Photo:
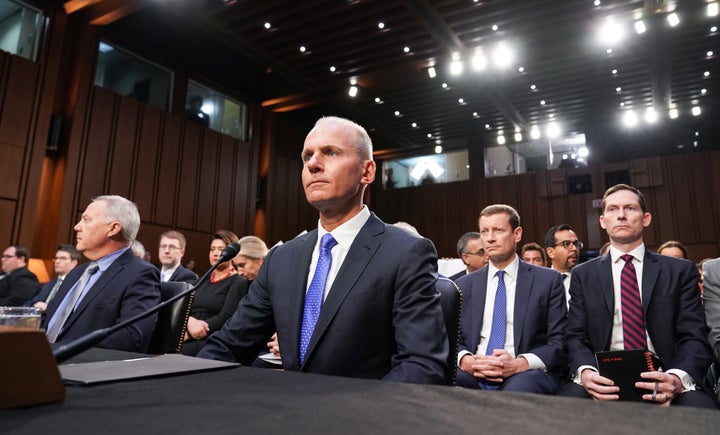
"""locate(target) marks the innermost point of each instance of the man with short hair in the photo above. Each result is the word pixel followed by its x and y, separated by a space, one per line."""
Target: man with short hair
pixel 66 258
pixel 470 251
pixel 115 286
pixel 632 298
pixel 19 284
pixel 563 250
pixel 513 318
pixel 534 254
pixel 170 253
pixel 355 297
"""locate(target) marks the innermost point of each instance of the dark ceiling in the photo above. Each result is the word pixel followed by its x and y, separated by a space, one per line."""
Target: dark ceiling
pixel 566 76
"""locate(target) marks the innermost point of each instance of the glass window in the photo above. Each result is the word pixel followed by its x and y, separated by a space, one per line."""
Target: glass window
pixel 216 111
pixel 20 29
pixel 430 169
pixel 132 76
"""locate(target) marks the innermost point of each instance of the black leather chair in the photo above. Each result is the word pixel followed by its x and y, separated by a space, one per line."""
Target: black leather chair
pixel 451 303
pixel 172 319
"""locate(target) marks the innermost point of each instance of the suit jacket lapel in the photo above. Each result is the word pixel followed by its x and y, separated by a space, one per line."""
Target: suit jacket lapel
pixel 604 276
pixel 478 307
pixel 523 289
pixel 296 298
pixel 359 255
pixel 651 269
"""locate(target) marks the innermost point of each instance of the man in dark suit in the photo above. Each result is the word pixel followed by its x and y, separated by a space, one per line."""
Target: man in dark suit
pixel 66 259
pixel 170 253
pixel 19 284
pixel 470 251
pixel 669 319
pixel 373 284
pixel 113 287
pixel 513 316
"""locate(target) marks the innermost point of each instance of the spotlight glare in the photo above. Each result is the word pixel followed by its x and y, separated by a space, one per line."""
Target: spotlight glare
pixel 353 91
pixel 640 27
pixel 535 132
pixel 673 19
pixel 673 113
pixel 630 119
pixel 712 9
pixel 431 72
pixel 696 111
pixel 651 115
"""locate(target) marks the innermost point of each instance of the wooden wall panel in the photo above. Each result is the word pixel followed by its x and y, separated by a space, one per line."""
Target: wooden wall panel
pixel 7 223
pixel 18 101
pixel 123 148
pixel 244 189
pixel 170 182
pixel 223 198
pixel 145 178
pixel 207 183
pixel 95 168
pixel 11 165
pixel 704 198
pixel 188 184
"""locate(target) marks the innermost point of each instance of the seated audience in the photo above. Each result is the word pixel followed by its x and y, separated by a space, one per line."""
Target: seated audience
pixel 115 286
pixel 18 285
pixel 608 312
pixel 216 299
pixel 711 296
pixel 534 254
pixel 170 253
pixel 251 256
pixel 472 254
pixel 513 317
pixel 673 248
pixel 66 258
pixel 604 249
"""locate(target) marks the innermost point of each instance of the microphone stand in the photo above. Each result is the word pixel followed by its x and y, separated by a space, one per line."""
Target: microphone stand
pixel 81 344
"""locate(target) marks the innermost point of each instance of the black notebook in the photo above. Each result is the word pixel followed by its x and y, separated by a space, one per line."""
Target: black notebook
pixel 624 368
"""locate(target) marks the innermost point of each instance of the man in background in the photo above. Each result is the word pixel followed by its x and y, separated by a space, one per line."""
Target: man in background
pixel 114 286
pixel 19 285
pixel 66 258
pixel 563 250
pixel 534 254
pixel 170 253
pixel 470 251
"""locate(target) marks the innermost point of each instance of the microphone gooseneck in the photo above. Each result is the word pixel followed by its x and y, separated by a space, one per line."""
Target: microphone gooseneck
pixel 81 344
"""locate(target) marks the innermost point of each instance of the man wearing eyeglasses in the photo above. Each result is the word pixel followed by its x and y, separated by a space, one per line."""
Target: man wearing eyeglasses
pixel 66 258
pixel 19 284
pixel 170 252
pixel 563 250
pixel 470 250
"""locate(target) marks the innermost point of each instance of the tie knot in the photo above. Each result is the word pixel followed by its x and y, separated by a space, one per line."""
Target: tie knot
pixel 627 258
pixel 500 274
pixel 327 242
pixel 92 268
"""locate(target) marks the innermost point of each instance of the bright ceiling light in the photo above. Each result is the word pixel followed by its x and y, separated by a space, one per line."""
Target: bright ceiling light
pixel 640 27
pixel 303 49
pixel 709 53
pixel 696 111
pixel 461 101
pixel 381 25
pixel 438 149
pixel 397 113
pixel 406 49
pixel 478 61
pixel 712 9
pixel 673 113
pixel 521 69
pixel 673 19
pixel 431 72
pixel 583 152
pixel 414 125
pixel 651 115
pixel 495 27
pixel 456 68
pixel 518 137
pixel 535 132
pixel 501 139
pixel 630 119
pixel 553 130
pixel 378 100
pixel 542 102
pixel 610 33
pixel 503 56
pixel 268 25
pixel 332 69
pixel 353 91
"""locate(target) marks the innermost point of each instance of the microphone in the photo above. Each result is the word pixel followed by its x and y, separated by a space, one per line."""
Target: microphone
pixel 81 344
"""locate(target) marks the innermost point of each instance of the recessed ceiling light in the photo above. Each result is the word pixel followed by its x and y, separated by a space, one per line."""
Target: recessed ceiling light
pixel 429 135
pixel 461 101
pixel 397 113
pixel 712 9
pixel 302 49
pixel 709 53
pixel 268 25
pixel 406 49
pixel 614 71
pixel 353 91
pixel 332 69
pixel 381 25
pixel 475 114
pixel 703 91
pixel 640 27
pixel 495 27
pixel 713 29
pixel 378 100
pixel 414 125
pixel 618 89
pixel 608 51
pixel 431 72
pixel 542 102
pixel 673 19
pixel 533 87
pixel 444 85
pixel 487 126
pixel 706 74
pixel 521 69
pixel 696 111
pixel 597 3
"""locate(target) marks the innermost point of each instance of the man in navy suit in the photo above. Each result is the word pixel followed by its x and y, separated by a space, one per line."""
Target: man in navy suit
pixel 670 312
pixel 170 253
pixel 118 284
pixel 513 316
pixel 380 317
pixel 66 259
pixel 19 284
pixel 470 251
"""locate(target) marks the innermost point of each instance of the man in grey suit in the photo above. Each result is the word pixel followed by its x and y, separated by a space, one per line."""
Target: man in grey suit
pixel 711 296
pixel 513 316
pixel 373 284
pixel 632 298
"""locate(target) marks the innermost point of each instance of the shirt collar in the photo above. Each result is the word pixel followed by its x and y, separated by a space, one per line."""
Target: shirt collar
pixel 511 269
pixel 638 253
pixel 345 233
pixel 107 260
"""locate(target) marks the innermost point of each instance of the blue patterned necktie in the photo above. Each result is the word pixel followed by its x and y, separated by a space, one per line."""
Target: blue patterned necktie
pixel 631 306
pixel 499 323
pixel 315 293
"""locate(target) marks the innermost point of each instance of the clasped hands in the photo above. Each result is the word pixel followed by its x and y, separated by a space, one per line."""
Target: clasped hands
pixel 197 329
pixel 663 387
pixel 496 367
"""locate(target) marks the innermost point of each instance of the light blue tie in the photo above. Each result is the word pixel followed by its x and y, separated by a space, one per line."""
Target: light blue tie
pixel 60 317
pixel 315 293
pixel 499 324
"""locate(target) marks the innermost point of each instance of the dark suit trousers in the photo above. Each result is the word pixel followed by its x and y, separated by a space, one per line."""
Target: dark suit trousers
pixel 531 381
pixel 697 398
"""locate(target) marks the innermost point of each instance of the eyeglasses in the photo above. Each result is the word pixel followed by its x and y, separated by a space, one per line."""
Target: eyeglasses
pixel 61 259
pixel 170 247
pixel 480 252
pixel 567 244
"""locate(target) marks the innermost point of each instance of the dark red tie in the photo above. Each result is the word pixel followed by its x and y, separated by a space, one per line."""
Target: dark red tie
pixel 632 315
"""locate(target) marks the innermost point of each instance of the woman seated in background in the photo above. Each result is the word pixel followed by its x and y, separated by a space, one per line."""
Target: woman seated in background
pixel 251 256
pixel 673 248
pixel 215 300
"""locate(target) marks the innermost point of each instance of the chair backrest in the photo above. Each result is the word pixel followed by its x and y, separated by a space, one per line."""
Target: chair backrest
pixel 451 303
pixel 172 319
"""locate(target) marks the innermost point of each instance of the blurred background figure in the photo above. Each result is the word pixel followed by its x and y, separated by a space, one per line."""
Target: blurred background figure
pixel 66 258
pixel 673 248
pixel 19 285
pixel 251 256
pixel 534 254
pixel 138 249
pixel 216 299
pixel 604 249
pixel 471 252
pixel 190 265
pixel 170 254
